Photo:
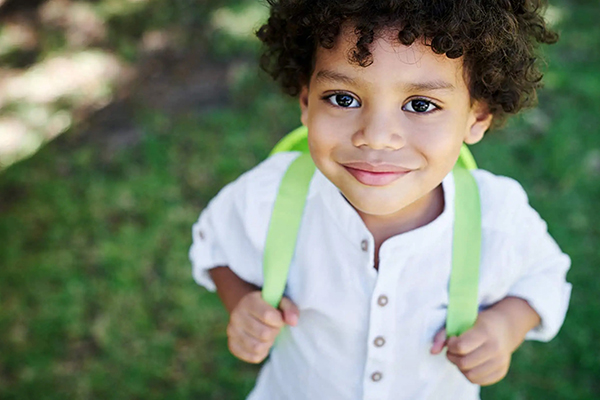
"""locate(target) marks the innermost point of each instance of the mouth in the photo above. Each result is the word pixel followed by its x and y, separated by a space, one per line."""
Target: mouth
pixel 375 175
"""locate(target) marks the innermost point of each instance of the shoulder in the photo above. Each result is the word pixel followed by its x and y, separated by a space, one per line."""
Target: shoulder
pixel 264 179
pixel 246 204
pixel 231 230
pixel 257 185
pixel 498 187
pixel 503 199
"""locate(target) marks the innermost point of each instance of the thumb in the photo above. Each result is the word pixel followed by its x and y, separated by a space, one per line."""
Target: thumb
pixel 290 311
pixel 439 341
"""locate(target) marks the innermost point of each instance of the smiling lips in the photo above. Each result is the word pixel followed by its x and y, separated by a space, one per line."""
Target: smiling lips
pixel 375 175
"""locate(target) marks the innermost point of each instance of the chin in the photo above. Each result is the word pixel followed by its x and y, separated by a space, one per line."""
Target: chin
pixel 374 207
pixel 380 211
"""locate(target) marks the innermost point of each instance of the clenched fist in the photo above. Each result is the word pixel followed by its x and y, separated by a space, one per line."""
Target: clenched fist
pixel 483 353
pixel 254 325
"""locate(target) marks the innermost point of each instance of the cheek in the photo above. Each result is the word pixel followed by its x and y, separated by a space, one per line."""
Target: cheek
pixel 325 134
pixel 439 143
pixel 330 128
pixel 319 146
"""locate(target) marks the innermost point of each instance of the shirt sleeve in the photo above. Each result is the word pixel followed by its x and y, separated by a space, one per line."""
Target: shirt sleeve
pixel 207 250
pixel 542 267
pixel 232 229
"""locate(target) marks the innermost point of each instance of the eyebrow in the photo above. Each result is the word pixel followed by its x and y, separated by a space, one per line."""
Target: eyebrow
pixel 325 75
pixel 436 84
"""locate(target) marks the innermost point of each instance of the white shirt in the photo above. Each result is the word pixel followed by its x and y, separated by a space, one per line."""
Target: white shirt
pixel 366 334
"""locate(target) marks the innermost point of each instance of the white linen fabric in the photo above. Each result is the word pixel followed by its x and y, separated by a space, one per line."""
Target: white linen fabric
pixel 366 334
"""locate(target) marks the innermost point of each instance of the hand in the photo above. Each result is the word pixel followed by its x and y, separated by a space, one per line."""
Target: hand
pixel 254 325
pixel 482 353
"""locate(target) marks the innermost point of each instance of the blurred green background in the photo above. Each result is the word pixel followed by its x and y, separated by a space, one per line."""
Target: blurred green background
pixel 129 115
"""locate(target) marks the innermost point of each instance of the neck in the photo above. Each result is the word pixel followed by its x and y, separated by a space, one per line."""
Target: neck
pixel 413 216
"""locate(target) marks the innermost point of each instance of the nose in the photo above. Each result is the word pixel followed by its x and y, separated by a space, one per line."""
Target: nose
pixel 380 130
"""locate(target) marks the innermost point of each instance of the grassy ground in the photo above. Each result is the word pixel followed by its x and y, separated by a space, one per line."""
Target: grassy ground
pixel 96 296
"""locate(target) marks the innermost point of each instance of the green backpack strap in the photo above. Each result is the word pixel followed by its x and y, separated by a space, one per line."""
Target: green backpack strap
pixel 284 227
pixel 296 140
pixel 466 246
pixel 463 290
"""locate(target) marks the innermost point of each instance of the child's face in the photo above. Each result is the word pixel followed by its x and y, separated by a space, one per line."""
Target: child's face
pixel 386 135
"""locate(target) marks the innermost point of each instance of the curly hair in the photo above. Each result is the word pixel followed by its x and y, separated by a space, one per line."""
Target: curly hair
pixel 496 38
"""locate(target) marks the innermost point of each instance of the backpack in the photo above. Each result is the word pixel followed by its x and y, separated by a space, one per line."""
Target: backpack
pixel 287 215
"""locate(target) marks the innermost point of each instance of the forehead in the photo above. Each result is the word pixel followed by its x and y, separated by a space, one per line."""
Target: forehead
pixel 392 62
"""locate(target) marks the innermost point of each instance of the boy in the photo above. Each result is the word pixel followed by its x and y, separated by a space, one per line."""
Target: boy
pixel 389 91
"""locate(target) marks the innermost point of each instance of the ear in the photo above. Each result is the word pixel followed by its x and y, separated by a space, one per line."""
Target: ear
pixel 303 97
pixel 480 121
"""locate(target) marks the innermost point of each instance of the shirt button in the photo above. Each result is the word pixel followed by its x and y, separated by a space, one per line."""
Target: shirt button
pixel 201 235
pixel 376 376
pixel 382 300
pixel 364 245
pixel 379 341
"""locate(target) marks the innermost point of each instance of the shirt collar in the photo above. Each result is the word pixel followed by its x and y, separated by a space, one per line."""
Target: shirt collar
pixel 353 227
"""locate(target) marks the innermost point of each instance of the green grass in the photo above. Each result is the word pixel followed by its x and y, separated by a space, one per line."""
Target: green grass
pixel 96 295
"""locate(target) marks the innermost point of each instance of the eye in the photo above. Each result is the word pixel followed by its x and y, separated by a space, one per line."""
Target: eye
pixel 420 106
pixel 343 100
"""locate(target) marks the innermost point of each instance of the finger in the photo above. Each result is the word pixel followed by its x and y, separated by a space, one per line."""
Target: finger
pixel 237 349
pixel 246 347
pixel 262 311
pixel 488 369
pixel 472 360
pixel 493 377
pixel 290 311
pixel 439 341
pixel 258 330
pixel 466 343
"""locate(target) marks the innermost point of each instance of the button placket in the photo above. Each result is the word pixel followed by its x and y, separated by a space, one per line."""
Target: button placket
pixel 382 330
pixel 382 300
pixel 364 245
pixel 377 361
pixel 376 376
pixel 379 341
